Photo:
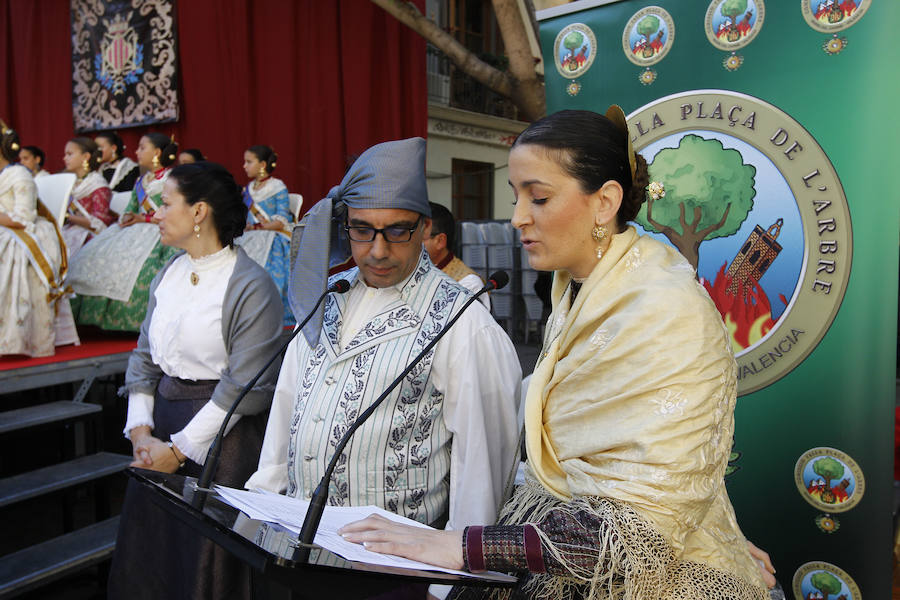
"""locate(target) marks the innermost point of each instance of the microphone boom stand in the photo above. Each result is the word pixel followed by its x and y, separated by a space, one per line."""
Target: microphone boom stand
pixel 215 449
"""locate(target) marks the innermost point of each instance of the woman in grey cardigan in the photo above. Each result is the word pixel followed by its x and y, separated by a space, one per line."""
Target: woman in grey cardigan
pixel 213 319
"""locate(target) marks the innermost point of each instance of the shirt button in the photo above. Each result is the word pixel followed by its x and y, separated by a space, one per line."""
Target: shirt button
pixel 318 419
pixel 308 495
pixel 308 457
pixel 329 380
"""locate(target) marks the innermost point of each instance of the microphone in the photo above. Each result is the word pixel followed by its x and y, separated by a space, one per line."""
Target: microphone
pixel 499 279
pixel 496 281
pixel 212 456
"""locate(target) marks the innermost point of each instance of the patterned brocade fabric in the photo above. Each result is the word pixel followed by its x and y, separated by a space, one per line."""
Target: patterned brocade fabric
pixel 517 548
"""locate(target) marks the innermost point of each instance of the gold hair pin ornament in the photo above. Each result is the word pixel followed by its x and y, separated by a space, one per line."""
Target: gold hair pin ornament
pixel 615 114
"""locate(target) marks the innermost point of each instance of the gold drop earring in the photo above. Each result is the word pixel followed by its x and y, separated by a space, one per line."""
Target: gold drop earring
pixel 599 233
pixel 86 166
pixel 262 172
pixel 197 230
pixel 155 162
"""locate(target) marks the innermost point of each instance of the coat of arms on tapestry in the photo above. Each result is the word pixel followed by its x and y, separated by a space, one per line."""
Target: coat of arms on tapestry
pixel 123 63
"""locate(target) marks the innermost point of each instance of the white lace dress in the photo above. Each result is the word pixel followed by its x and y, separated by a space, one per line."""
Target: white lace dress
pixel 27 318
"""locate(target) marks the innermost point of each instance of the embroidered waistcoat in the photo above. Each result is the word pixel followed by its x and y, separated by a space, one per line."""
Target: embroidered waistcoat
pixel 400 458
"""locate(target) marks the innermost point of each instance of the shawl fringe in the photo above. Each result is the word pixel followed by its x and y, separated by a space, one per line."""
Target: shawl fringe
pixel 634 561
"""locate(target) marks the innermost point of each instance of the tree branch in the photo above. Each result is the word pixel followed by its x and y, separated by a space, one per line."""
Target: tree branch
pixel 530 90
pixel 663 229
pixel 684 225
pixel 408 14
pixel 698 214
pixel 712 228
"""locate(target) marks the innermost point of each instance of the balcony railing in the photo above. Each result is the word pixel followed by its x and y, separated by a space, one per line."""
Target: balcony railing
pixel 450 86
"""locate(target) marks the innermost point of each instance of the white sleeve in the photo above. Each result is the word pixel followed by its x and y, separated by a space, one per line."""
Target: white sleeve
pixel 473 283
pixel 480 374
pixel 271 473
pixel 197 436
pixel 140 412
pixel 480 412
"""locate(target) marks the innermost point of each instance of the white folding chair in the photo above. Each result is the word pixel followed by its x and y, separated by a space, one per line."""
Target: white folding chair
pixel 54 192
pixel 296 203
pixel 119 202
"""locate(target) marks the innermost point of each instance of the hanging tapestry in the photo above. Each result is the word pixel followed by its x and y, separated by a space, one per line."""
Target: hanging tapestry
pixel 123 63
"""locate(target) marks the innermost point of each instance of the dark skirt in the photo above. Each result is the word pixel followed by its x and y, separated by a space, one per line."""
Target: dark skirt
pixel 156 556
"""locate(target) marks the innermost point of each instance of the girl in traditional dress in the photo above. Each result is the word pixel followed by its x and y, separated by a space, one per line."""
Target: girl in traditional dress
pixel 88 210
pixel 32 158
pixel 32 261
pixel 112 274
pixel 120 171
pixel 213 320
pixel 629 411
pixel 268 237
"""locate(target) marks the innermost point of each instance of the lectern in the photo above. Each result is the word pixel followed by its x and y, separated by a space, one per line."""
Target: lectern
pixel 273 552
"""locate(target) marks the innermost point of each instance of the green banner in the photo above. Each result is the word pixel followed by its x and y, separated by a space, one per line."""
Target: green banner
pixel 771 128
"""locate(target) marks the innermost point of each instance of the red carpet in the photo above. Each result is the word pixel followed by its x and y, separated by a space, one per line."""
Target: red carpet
pixel 90 346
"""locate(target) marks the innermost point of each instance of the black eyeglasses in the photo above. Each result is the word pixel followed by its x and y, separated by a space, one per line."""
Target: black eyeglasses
pixel 395 234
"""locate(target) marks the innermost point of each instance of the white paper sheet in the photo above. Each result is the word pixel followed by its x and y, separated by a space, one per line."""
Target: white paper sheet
pixel 290 513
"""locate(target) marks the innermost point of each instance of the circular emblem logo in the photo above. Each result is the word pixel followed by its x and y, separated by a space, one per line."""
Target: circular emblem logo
pixel 648 36
pixel 732 24
pixel 829 480
pixel 829 16
pixel 815 580
pixel 574 50
pixel 754 204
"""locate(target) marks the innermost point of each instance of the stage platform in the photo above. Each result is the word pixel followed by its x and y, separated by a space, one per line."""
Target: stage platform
pixel 97 356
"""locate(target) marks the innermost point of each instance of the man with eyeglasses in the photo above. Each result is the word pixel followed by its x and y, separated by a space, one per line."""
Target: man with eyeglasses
pixel 440 448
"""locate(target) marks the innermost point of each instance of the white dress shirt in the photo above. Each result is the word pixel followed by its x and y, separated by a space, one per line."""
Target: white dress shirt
pixel 186 342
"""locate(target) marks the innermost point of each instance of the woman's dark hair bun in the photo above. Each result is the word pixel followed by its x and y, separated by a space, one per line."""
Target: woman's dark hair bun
pixel 212 183
pixel 37 153
pixel 9 143
pixel 592 150
pixel 88 145
pixel 635 197
pixel 265 154
pixel 168 148
pixel 115 140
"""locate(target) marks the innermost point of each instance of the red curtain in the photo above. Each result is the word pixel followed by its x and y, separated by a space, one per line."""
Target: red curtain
pixel 318 81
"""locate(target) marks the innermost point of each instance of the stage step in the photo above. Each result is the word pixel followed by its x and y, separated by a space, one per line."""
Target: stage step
pixel 42 563
pixel 42 414
pixel 59 476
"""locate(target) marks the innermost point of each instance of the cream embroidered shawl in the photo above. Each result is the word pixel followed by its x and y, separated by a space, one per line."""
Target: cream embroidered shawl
pixel 633 400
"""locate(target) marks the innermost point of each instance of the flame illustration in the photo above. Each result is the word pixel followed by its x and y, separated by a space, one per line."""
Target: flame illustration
pixel 747 314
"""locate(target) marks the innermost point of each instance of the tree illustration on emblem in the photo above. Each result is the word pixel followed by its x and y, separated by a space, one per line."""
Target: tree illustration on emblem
pixel 647 27
pixel 731 9
pixel 572 42
pixel 709 193
pixel 826 583
pixel 828 468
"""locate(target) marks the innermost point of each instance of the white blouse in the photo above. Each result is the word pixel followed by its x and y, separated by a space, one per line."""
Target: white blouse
pixel 185 338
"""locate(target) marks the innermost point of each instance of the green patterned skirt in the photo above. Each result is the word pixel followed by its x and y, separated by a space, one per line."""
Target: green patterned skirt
pixel 114 315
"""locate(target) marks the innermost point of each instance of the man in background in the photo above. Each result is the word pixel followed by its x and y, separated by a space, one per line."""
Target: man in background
pixel 439 241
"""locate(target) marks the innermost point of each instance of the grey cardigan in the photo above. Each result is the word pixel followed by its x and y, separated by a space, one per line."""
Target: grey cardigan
pixel 251 325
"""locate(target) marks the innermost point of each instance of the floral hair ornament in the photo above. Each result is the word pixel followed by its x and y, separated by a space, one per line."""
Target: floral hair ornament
pixel 656 190
pixel 615 114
